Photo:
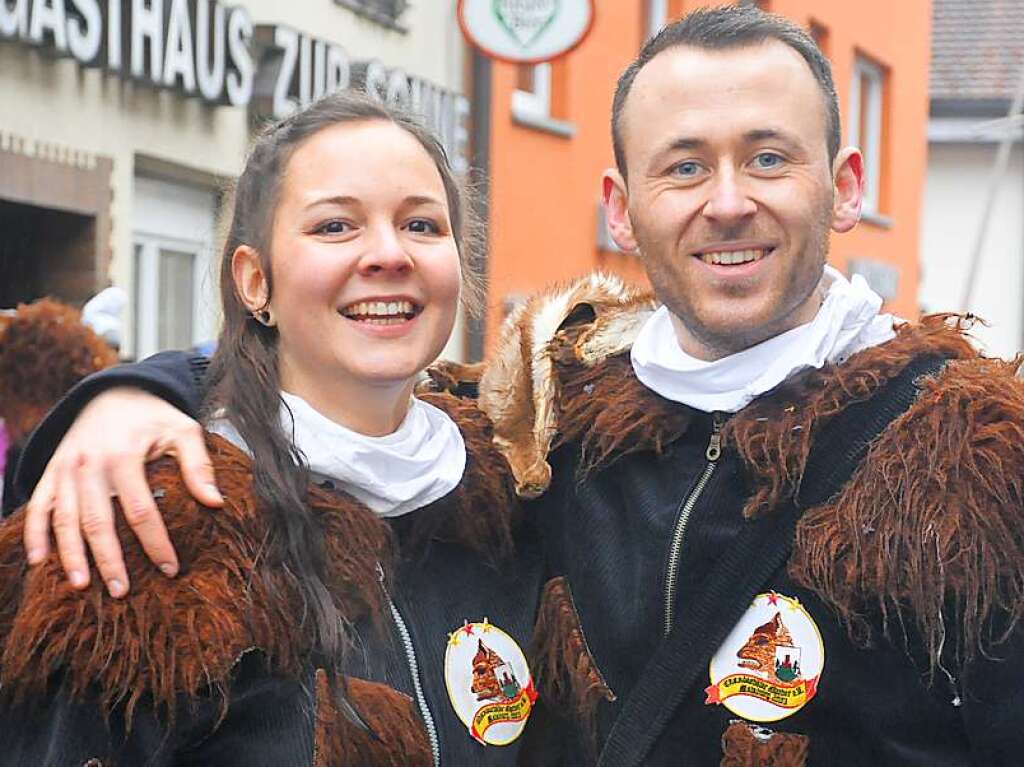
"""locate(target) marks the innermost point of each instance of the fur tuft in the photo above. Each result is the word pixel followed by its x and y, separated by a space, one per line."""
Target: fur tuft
pixel 398 738
pixel 747 745
pixel 929 533
pixel 180 636
pixel 566 673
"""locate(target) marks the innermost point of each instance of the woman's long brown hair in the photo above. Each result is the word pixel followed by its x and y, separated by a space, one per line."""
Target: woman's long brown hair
pixel 243 378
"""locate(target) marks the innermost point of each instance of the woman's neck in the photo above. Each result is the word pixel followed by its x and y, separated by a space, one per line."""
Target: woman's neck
pixel 371 410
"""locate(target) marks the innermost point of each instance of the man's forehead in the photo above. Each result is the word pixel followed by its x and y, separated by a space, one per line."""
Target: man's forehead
pixel 688 85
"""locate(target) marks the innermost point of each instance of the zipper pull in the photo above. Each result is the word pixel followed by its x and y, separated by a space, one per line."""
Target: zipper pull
pixel 714 450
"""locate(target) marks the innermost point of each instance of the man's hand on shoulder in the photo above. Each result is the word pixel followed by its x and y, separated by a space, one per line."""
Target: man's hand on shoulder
pixel 103 456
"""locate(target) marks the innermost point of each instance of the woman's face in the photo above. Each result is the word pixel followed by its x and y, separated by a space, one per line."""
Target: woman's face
pixel 365 267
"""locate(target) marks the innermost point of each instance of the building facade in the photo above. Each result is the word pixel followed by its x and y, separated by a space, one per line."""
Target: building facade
pixel 550 142
pixel 123 122
pixel 977 70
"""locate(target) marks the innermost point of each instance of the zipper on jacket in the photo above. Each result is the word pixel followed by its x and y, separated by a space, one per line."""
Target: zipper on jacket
pixel 414 671
pixel 712 454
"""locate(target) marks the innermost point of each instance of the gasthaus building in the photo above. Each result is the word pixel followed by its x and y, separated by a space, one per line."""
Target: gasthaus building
pixel 123 121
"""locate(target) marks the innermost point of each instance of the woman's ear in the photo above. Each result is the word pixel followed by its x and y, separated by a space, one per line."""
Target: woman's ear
pixel 250 281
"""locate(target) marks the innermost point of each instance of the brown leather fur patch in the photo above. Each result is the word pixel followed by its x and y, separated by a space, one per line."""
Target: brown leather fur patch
pixel 44 351
pixel 179 636
pixel 566 673
pixel 744 745
pixel 398 739
pixel 931 523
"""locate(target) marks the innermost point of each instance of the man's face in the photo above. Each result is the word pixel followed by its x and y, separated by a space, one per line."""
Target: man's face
pixel 730 191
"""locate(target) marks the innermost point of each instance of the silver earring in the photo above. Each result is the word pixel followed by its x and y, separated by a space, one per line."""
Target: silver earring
pixel 263 317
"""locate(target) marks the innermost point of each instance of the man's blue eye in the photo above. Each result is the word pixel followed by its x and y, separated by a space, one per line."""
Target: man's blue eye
pixel 767 160
pixel 687 169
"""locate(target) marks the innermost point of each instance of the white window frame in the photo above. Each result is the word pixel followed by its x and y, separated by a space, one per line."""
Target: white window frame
pixel 657 16
pixel 867 71
pixel 532 108
pixel 536 102
pixel 148 291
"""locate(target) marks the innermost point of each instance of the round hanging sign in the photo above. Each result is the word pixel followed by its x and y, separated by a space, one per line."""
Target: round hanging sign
pixel 525 31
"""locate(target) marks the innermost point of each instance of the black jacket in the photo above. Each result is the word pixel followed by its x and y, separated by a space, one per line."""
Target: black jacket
pixel 271 718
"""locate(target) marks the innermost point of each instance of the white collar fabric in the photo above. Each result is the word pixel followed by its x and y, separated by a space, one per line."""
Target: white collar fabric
pixel 422 461
pixel 847 322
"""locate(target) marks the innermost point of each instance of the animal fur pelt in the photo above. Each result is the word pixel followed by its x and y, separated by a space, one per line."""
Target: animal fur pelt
pixel 930 526
pixel 44 351
pixel 519 389
pixel 747 745
pixel 398 739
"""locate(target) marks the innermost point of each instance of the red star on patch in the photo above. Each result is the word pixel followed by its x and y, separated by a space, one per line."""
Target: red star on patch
pixel 468 629
pixel 713 695
pixel 773 599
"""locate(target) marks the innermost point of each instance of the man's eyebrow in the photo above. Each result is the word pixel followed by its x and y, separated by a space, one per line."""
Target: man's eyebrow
pixel 769 134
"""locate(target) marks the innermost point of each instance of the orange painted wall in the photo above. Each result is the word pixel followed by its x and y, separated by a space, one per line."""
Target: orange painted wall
pixel 545 188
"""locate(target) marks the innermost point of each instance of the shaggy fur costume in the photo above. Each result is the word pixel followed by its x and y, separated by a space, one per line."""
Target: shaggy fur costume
pixel 180 637
pixel 745 745
pixel 44 351
pixel 930 525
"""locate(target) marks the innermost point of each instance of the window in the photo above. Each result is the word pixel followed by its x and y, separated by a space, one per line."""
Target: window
pixel 657 15
pixel 384 12
pixel 532 95
pixel 866 117
pixel 174 302
pixel 539 98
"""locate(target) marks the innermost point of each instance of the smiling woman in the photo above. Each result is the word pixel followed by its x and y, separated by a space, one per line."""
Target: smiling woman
pixel 355 513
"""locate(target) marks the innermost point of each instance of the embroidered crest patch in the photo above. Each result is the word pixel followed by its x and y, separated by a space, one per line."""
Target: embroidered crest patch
pixel 769 666
pixel 489 683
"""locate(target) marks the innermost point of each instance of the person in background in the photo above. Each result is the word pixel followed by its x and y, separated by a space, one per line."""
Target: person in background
pixel 46 347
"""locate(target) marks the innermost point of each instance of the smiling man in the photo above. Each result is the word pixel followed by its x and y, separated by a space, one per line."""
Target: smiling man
pixel 786 528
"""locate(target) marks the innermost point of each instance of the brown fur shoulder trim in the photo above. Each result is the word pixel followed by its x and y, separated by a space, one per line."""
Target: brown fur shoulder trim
pixel 483 510
pixel 929 532
pixel 179 636
pixel 398 740
pixel 519 389
pixel 747 745
pixel 774 433
pixel 563 666
pixel 44 351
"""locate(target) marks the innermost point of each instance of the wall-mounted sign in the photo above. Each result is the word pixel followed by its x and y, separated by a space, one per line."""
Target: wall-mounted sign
pixel 211 51
pixel 525 31
pixel 197 47
pixel 294 69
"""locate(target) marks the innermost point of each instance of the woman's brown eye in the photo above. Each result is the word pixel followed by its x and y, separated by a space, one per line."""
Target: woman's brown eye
pixel 332 227
pixel 423 226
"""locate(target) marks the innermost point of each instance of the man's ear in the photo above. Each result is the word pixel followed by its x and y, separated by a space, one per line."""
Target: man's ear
pixel 616 208
pixel 250 281
pixel 848 185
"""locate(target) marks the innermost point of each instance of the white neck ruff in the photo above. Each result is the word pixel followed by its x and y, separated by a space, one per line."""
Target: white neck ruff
pixel 847 322
pixel 422 461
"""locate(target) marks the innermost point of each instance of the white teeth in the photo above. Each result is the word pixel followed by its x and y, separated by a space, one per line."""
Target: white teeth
pixel 380 312
pixel 729 257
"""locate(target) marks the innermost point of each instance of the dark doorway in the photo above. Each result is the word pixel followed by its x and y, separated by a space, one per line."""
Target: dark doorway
pixel 45 252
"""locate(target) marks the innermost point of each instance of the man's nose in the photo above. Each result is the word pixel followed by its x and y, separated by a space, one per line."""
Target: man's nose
pixel 385 252
pixel 729 201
